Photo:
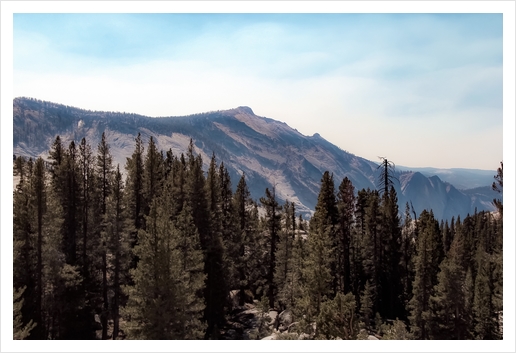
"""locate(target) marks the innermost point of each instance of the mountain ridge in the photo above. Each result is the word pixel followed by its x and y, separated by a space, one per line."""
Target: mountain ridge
pixel 269 152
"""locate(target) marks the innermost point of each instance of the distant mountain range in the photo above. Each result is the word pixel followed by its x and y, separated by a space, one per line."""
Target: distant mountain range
pixel 269 152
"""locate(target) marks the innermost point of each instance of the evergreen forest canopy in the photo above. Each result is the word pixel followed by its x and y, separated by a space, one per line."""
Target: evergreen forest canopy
pixel 171 252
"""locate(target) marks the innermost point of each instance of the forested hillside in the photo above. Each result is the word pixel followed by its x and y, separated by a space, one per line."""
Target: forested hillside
pixel 172 252
pixel 268 151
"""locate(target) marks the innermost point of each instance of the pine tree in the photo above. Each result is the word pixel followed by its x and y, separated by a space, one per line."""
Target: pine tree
pixel 20 330
pixel 317 274
pixel 448 316
pixel 386 177
pixel 134 187
pixel 152 175
pixel 89 217
pixel 325 220
pixel 56 156
pixel 166 299
pixel 408 251
pixel 116 235
pixel 273 227
pixel 337 318
pixel 367 300
pixel 191 284
pixel 40 209
pixel 372 245
pixel 498 186
pixel 485 317
pixel 228 227
pixel 292 290
pixel 284 256
pixel 216 284
pixel 429 254
pixel 72 204
pixel 241 245
pixel 24 241
pixel 391 287
pixel 54 301
pixel 346 208
pixel 104 172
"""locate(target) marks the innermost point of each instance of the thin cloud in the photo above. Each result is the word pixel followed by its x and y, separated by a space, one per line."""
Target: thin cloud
pixel 348 77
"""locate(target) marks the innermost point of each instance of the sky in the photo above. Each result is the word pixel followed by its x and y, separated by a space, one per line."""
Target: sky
pixel 423 90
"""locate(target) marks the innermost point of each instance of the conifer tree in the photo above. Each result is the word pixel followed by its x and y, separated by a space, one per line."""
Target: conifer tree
pixel 104 171
pixel 386 177
pixel 152 175
pixel 429 252
pixel 56 156
pixel 241 245
pixel 86 180
pixel 391 287
pixel 498 186
pixel 191 283
pixel 273 227
pixel 216 284
pixel 293 288
pixel 166 299
pixel 346 208
pixel 72 204
pixel 20 330
pixel 89 219
pixel 24 242
pixel 228 227
pixel 408 252
pixel 366 304
pixel 372 248
pixel 284 256
pixel 317 268
pixel 134 187
pixel 116 235
pixel 448 315
pixel 325 220
pixel 39 210
pixel 337 318
pixel 485 317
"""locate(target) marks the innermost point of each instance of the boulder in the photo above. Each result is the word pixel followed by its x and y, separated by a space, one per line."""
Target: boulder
pixel 284 320
pixel 273 314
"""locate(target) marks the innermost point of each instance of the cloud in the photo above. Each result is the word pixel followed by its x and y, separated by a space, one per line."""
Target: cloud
pixel 348 77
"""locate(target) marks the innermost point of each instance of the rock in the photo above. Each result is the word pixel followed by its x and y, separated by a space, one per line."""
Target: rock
pixel 371 337
pixel 233 297
pixel 304 336
pixel 292 326
pixel 273 314
pixel 285 318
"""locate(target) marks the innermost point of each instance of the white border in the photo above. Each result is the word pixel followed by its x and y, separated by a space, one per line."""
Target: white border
pixel 10 7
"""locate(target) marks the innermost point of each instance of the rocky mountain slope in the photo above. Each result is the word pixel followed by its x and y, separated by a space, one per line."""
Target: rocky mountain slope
pixel 269 152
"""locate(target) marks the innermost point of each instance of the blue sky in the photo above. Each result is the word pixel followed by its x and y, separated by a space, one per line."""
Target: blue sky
pixel 420 89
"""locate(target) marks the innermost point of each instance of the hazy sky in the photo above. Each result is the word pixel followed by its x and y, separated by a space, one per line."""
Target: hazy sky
pixel 421 89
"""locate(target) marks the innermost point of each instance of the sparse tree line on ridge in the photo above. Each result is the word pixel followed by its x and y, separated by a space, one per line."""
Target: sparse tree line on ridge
pixel 164 253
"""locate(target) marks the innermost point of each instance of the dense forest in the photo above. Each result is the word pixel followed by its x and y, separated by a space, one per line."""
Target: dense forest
pixel 160 249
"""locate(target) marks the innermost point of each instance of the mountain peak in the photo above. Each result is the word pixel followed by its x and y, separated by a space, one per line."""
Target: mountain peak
pixel 245 109
pixel 267 150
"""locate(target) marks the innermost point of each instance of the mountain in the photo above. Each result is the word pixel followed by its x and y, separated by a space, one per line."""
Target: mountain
pixel 269 152
pixel 461 178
